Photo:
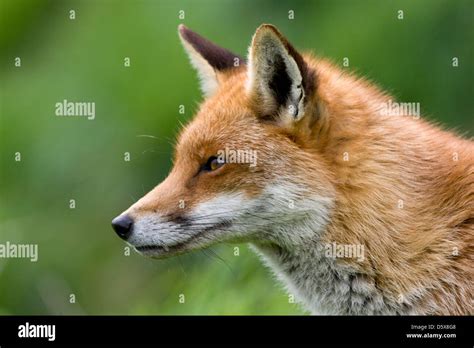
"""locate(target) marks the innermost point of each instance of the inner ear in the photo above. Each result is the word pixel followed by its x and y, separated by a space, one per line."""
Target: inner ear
pixel 279 80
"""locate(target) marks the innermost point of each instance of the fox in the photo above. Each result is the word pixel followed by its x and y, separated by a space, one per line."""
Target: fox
pixel 332 176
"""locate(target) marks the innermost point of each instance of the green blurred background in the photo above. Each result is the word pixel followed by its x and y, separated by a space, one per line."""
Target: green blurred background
pixel 67 158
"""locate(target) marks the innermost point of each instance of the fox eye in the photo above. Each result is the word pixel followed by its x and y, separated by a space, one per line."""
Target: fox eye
pixel 213 163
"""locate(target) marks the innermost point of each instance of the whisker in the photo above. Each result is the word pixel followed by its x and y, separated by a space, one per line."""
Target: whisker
pixel 217 256
pixel 147 136
pixel 181 265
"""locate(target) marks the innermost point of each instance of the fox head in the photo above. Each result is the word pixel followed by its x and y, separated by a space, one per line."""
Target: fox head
pixel 246 168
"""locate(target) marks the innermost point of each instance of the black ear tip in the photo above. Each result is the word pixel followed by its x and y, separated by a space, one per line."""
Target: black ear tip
pixel 183 30
pixel 268 28
pixel 218 57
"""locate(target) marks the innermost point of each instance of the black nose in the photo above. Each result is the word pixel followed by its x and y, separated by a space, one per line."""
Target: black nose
pixel 123 226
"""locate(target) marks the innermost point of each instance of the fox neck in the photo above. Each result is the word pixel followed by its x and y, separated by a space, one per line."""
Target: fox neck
pixel 324 286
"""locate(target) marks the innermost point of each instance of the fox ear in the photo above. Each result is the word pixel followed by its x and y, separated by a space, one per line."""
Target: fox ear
pixel 208 59
pixel 279 81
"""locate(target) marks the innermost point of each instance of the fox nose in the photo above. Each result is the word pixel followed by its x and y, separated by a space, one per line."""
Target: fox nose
pixel 123 226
